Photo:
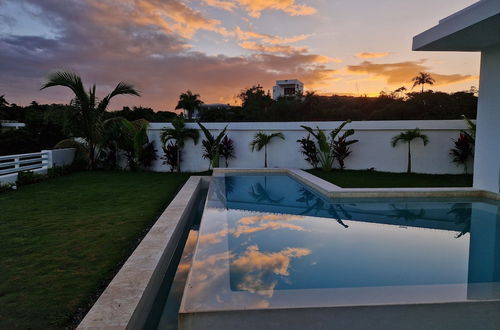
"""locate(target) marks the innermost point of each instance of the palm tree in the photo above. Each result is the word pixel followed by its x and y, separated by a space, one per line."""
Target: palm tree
pixel 407 137
pixel 422 79
pixel 180 133
pixel 3 101
pixel 261 140
pixel 90 112
pixel 189 102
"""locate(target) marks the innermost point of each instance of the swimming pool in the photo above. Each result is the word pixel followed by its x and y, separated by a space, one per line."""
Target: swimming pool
pixel 269 242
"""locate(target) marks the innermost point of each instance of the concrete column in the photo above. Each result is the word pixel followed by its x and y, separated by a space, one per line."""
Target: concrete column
pixel 487 152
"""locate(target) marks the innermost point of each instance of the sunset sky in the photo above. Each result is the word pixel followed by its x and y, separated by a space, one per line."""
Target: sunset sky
pixel 218 47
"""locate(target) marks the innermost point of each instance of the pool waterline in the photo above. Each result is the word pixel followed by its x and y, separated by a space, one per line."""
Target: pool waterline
pixel 268 241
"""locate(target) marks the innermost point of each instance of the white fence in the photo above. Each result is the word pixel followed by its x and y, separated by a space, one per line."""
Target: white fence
pixel 372 151
pixel 37 162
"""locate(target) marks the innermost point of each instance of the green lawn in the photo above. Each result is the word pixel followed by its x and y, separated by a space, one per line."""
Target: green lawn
pixel 62 240
pixel 372 179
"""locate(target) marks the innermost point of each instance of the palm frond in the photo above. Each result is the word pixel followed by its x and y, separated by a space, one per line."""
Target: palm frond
pixel 122 88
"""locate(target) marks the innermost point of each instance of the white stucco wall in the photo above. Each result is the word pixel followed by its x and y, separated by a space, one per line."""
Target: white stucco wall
pixel 372 150
pixel 487 158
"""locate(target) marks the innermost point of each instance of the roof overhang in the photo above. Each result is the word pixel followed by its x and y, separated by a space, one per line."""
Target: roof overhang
pixel 474 28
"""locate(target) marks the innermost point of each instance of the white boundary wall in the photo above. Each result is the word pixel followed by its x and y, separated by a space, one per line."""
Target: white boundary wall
pixel 372 150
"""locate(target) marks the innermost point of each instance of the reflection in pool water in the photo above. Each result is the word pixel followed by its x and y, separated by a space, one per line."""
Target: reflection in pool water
pixel 264 238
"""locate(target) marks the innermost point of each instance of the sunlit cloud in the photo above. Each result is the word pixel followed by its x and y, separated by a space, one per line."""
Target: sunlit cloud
pixel 371 55
pixel 266 38
pixel 242 230
pixel 258 218
pixel 403 72
pixel 227 5
pixel 283 49
pixel 256 7
pixel 256 268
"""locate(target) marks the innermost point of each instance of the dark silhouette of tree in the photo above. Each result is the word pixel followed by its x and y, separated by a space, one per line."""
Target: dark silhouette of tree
pixel 90 112
pixel 462 150
pixel 421 79
pixel 189 102
pixel 3 101
pixel 407 137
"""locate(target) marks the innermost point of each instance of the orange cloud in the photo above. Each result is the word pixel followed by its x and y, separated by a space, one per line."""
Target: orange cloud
pixel 403 72
pixel 256 7
pixel 227 5
pixel 257 267
pixel 250 45
pixel 247 35
pixel 242 230
pixel 254 219
pixel 371 55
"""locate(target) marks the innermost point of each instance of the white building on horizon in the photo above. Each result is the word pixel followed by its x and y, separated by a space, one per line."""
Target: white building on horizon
pixel 289 87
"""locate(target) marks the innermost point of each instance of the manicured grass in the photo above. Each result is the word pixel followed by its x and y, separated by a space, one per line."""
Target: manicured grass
pixel 61 240
pixel 372 179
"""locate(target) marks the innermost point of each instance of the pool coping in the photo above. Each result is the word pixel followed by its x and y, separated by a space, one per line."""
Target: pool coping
pixel 126 301
pixel 334 191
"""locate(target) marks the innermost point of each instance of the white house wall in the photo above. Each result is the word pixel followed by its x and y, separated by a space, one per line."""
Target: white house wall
pixel 372 150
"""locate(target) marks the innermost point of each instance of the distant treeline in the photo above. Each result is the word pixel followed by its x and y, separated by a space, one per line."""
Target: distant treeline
pixel 47 124
pixel 429 105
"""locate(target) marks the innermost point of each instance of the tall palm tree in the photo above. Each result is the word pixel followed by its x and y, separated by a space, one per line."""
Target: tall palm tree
pixel 189 102
pixel 421 79
pixel 407 137
pixel 261 140
pixel 180 133
pixel 3 101
pixel 90 112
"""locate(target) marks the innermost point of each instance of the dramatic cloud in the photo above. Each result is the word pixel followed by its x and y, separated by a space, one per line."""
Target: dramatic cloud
pixel 144 42
pixel 247 35
pixel 403 72
pixel 371 55
pixel 257 268
pixel 283 49
pixel 256 7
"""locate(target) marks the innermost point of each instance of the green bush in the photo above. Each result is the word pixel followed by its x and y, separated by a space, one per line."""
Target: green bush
pixel 28 177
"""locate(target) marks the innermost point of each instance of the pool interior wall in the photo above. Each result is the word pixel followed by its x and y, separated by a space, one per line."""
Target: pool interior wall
pixel 271 207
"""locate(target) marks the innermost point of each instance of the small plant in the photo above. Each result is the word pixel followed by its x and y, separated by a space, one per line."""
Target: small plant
pixel 212 146
pixel 470 132
pixel 170 156
pixel 28 177
pixel 462 150
pixel 325 145
pixel 6 187
pixel 341 147
pixel 308 149
pixel 227 149
pixel 180 133
pixel 261 140
pixel 407 137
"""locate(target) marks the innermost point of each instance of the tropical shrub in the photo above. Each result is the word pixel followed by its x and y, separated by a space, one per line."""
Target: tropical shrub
pixel 341 147
pixel 261 140
pixel 227 150
pixel 324 144
pixel 462 150
pixel 407 137
pixel 170 156
pixel 180 134
pixel 308 149
pixel 212 146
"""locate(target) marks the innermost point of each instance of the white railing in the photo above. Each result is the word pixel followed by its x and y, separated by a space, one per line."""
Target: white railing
pixel 24 162
pixel 38 162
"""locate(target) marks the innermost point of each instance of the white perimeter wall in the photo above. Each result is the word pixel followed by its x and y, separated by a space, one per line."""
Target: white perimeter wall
pixel 372 150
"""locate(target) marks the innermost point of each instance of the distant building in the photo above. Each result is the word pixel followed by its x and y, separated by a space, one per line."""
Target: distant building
pixel 290 87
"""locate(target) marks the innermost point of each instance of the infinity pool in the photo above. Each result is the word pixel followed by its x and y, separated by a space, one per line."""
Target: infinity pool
pixel 269 241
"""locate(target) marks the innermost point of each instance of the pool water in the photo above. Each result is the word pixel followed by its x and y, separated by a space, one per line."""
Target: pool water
pixel 271 241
